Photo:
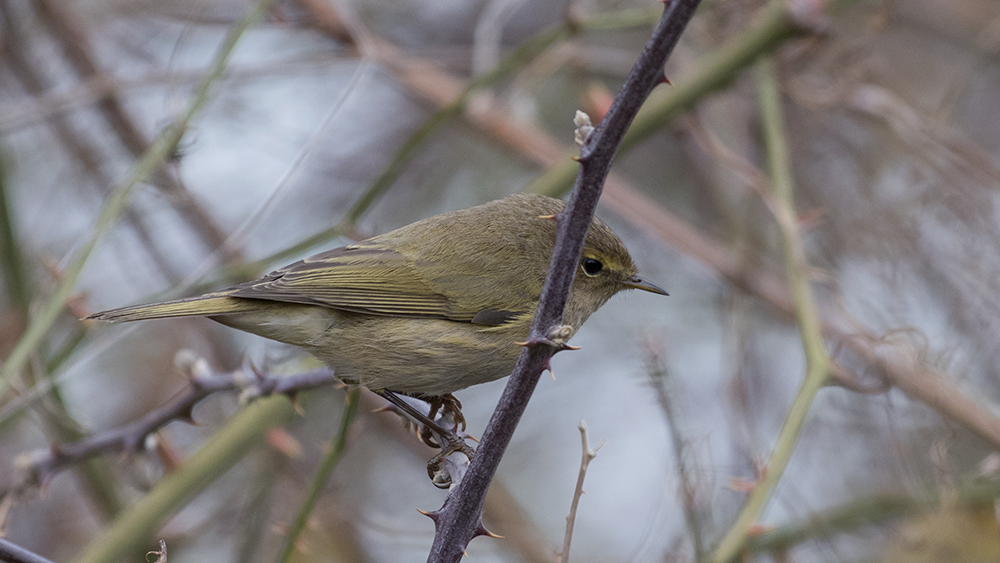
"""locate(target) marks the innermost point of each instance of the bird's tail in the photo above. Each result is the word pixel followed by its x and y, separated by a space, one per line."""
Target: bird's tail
pixel 204 305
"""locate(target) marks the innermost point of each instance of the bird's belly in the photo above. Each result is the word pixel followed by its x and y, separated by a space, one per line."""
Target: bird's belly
pixel 428 356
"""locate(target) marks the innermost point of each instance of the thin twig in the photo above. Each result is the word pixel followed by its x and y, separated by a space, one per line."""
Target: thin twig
pixel 459 520
pixel 658 376
pixel 322 476
pixel 588 456
pixel 817 360
pixel 159 151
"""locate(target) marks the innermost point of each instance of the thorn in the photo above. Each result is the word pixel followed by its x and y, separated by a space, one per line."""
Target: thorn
pixel 553 217
pixel 433 515
pixel 471 437
pixel 569 347
pixel 296 405
pixel 576 159
pixel 667 81
pixel 482 531
pixel 524 344
pixel 465 554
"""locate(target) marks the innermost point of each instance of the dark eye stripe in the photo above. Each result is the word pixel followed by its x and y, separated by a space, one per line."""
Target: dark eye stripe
pixel 592 266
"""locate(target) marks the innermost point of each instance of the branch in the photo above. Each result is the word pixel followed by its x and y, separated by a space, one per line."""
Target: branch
pixel 459 520
pixel 41 465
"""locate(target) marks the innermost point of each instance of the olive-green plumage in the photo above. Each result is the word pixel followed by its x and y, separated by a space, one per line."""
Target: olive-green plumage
pixel 430 308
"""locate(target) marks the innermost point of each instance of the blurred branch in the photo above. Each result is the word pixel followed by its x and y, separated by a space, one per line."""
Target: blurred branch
pixel 43 464
pixel 159 151
pixel 73 39
pixel 872 509
pixel 322 475
pixel 16 554
pixel 797 268
pixel 31 78
pixel 133 528
pixel 459 520
pixel 588 456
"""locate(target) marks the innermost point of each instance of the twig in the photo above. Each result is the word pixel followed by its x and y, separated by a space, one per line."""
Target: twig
pixel 817 361
pixel 13 553
pixel 588 456
pixel 43 464
pixel 322 475
pixel 459 520
pixel 658 376
pixel 159 151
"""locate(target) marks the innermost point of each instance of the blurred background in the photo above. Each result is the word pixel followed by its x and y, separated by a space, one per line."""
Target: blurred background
pixel 340 119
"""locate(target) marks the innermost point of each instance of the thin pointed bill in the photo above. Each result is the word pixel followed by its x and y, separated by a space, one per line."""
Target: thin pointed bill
pixel 635 282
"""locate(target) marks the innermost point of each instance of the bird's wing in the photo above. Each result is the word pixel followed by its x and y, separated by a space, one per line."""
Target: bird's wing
pixel 368 279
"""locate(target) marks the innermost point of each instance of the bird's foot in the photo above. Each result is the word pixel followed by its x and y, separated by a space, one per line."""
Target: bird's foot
pixel 449 406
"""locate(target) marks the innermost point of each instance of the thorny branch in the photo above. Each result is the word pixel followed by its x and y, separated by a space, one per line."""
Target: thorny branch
pixel 459 520
pixel 41 465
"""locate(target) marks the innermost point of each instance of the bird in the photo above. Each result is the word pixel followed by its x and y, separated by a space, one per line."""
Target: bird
pixel 425 310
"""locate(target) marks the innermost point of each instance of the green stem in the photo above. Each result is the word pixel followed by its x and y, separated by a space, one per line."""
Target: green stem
pixel 159 151
pixel 10 252
pixel 322 475
pixel 817 361
pixel 136 525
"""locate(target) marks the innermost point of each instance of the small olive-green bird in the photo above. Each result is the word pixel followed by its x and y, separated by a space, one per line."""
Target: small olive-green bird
pixel 427 309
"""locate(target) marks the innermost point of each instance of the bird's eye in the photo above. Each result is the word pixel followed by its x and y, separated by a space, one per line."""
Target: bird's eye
pixel 592 266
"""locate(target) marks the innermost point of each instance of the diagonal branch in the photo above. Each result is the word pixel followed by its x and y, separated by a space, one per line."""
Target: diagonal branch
pixel 459 520
pixel 41 465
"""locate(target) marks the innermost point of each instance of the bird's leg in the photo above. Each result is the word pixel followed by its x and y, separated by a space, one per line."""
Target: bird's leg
pixel 454 443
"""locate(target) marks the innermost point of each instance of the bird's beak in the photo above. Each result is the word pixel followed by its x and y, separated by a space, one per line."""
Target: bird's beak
pixel 635 282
